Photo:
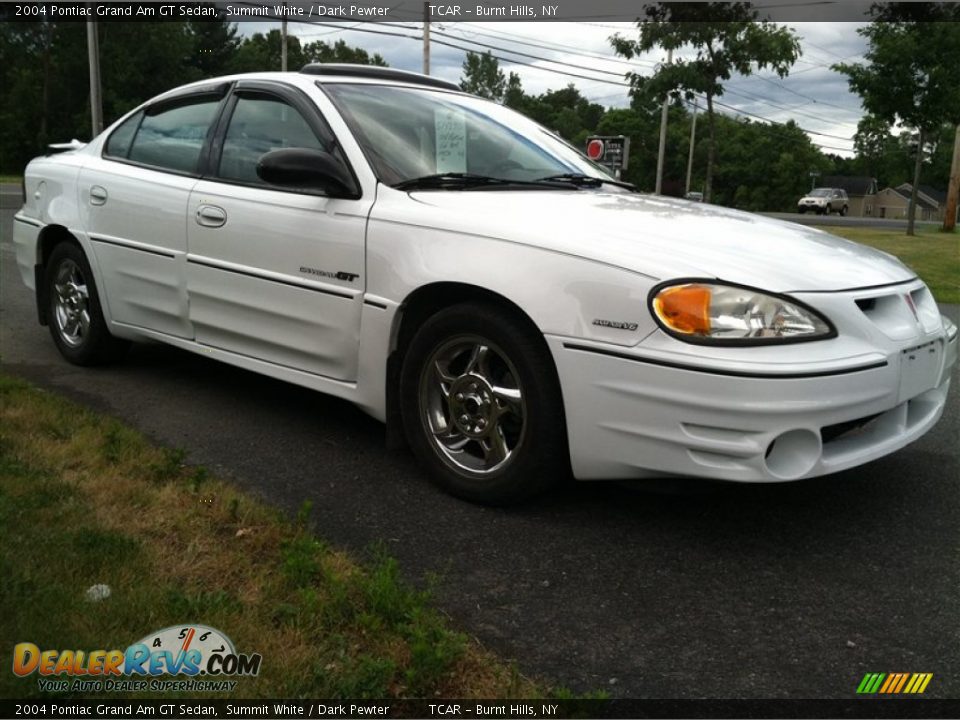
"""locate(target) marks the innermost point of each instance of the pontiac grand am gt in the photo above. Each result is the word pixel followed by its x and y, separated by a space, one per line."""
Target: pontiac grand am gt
pixel 459 271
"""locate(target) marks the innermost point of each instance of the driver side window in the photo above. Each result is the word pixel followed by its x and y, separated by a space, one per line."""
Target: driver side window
pixel 259 124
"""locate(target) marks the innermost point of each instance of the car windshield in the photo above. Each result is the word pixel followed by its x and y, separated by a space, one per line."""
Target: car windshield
pixel 821 192
pixel 410 133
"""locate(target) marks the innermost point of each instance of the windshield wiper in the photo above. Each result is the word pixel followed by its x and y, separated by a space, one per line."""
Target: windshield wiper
pixel 461 180
pixel 581 180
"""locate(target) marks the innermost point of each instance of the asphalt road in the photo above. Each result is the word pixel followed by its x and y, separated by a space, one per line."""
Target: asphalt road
pixel 721 591
pixel 847 221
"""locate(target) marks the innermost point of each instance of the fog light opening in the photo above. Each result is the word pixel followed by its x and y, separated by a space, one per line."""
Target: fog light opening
pixel 793 454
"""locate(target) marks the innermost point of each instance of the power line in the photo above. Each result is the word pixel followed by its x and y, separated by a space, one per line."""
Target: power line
pixel 569 74
pixel 750 96
pixel 773 125
pixel 540 67
pixel 754 97
pixel 529 55
pixel 332 32
pixel 556 47
pixel 715 102
pixel 781 86
pixel 581 53
pixel 616 74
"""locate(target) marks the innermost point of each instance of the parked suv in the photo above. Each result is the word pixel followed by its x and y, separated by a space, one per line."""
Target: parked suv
pixel 824 201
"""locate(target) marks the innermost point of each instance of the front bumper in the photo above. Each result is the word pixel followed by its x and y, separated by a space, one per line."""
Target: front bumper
pixel 630 415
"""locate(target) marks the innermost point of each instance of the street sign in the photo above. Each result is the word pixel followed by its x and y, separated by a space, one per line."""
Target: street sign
pixel 595 149
pixel 611 151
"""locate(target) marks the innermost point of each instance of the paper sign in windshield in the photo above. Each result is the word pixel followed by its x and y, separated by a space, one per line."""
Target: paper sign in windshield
pixel 451 133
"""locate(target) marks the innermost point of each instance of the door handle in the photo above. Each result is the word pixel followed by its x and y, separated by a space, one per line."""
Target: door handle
pixel 98 195
pixel 211 216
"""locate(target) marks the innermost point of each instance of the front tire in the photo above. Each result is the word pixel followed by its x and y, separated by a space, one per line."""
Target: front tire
pixel 73 310
pixel 481 405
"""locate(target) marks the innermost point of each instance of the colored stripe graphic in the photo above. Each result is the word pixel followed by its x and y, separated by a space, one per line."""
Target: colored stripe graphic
pixel 892 679
pixel 894 683
pixel 903 679
pixel 870 683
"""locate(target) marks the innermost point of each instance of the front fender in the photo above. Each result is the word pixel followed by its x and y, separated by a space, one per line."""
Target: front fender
pixel 564 295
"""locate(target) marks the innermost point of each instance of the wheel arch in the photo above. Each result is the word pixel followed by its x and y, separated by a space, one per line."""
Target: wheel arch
pixel 419 305
pixel 50 236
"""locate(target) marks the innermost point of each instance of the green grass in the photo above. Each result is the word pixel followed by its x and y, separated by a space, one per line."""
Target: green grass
pixel 932 254
pixel 11 179
pixel 86 500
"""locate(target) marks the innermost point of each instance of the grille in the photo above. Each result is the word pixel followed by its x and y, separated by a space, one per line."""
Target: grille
pixel 829 433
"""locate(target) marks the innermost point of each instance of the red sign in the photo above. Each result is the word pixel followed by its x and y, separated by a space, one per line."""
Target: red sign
pixel 595 149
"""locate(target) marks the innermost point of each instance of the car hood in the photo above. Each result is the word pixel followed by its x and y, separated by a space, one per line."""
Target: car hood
pixel 663 237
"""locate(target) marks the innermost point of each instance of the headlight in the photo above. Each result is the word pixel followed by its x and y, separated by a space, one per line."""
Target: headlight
pixel 712 313
pixel 949 327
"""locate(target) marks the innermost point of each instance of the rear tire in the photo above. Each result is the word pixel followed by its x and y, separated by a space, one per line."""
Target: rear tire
pixel 73 310
pixel 844 210
pixel 481 405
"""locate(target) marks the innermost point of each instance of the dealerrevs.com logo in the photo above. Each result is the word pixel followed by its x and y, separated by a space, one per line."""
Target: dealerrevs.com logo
pixel 203 654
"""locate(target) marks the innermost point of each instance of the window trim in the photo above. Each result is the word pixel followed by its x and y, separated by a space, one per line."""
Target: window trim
pixel 180 98
pixel 299 101
pixel 106 143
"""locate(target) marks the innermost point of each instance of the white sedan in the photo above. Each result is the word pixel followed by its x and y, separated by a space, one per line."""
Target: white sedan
pixel 460 272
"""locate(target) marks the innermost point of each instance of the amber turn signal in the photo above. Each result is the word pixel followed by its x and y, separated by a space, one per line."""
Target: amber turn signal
pixel 684 308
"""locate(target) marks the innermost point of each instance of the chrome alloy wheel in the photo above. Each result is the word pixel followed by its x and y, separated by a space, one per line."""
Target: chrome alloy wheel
pixel 71 303
pixel 472 405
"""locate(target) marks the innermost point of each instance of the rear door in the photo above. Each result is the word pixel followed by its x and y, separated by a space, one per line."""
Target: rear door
pixel 134 199
pixel 275 274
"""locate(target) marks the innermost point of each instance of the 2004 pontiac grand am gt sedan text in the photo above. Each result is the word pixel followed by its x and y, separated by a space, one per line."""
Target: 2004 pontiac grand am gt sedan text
pixel 459 271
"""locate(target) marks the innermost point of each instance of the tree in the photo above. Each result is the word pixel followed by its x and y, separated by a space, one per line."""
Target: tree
pixel 726 39
pixel 340 52
pixel 259 52
pixel 47 91
pixel 482 76
pixel 214 43
pixel 513 96
pixel 909 76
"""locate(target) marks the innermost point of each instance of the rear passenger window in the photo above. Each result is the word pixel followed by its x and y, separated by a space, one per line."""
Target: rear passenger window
pixel 119 143
pixel 260 124
pixel 172 138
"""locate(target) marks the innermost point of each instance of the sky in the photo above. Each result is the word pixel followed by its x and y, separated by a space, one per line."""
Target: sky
pixel 814 96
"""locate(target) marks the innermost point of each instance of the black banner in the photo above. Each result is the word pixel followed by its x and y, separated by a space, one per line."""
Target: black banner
pixel 607 11
pixel 459 709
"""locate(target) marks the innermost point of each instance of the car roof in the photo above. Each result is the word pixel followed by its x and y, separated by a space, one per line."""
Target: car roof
pixel 323 73
pixel 375 72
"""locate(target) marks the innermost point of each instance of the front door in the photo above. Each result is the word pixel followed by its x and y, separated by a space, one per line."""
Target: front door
pixel 273 274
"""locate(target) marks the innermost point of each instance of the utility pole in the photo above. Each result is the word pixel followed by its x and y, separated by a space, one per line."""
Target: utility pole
pixel 918 164
pixel 283 44
pixel 953 189
pixel 663 132
pixel 93 55
pixel 693 140
pixel 426 38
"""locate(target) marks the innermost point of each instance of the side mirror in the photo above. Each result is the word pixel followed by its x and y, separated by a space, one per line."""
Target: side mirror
pixel 306 169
